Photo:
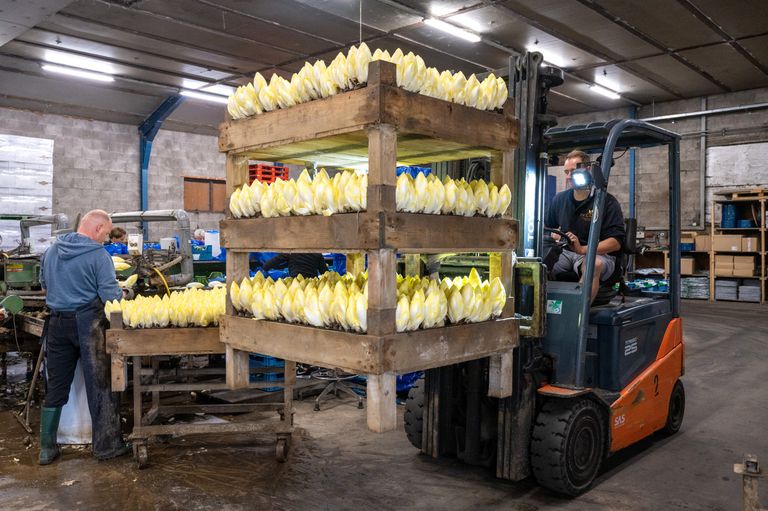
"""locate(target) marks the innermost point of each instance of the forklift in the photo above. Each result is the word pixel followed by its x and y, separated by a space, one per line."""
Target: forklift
pixel 589 379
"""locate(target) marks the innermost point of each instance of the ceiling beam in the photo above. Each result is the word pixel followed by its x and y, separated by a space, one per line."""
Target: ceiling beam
pixel 618 20
pixel 15 20
pixel 709 22
pixel 608 56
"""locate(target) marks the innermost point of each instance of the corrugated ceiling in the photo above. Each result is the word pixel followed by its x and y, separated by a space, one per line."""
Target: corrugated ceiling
pixel 649 51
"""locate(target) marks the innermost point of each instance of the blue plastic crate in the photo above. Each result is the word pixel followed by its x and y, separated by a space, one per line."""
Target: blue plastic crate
pixel 687 247
pixel 261 361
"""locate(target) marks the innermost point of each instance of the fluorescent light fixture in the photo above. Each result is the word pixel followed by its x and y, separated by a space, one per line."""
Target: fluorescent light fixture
pixel 606 82
pixel 221 90
pixel 80 73
pixel 72 60
pixel 452 29
pixel 608 93
pixel 215 98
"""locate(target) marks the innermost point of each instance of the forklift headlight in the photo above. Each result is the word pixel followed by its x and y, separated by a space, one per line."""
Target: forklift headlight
pixel 581 179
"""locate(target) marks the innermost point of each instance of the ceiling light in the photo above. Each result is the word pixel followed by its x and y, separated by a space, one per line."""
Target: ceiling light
pixel 452 29
pixel 608 93
pixel 80 73
pixel 222 90
pixel 78 61
pixel 215 98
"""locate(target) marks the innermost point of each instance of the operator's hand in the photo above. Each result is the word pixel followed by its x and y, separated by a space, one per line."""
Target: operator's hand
pixel 555 236
pixel 576 245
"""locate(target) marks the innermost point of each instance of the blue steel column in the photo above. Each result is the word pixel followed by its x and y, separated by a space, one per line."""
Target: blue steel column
pixel 632 169
pixel 147 132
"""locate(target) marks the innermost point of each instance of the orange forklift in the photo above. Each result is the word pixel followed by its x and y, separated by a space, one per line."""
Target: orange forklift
pixel 589 378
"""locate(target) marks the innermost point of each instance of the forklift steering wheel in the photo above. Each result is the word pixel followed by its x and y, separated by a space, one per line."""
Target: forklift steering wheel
pixel 563 241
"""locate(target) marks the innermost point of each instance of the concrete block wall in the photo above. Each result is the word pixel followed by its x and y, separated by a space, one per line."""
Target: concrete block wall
pixel 95 165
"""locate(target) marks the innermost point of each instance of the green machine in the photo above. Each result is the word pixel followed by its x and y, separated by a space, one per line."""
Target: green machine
pixel 19 267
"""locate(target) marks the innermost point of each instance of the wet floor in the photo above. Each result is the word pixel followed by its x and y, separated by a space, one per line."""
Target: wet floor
pixel 336 464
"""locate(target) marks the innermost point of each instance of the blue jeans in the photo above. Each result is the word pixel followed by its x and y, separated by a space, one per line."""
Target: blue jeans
pixel 80 335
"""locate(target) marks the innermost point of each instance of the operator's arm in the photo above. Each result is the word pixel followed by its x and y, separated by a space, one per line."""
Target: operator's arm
pixel 105 278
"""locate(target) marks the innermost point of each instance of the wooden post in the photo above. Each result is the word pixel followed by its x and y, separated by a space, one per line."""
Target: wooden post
pixel 382 160
pixel 237 172
pixel 381 404
pixel 119 373
pixel 237 363
pixel 501 371
pixel 289 376
pixel 382 292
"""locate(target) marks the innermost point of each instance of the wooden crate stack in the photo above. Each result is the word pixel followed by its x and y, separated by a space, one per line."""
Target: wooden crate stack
pixel 386 124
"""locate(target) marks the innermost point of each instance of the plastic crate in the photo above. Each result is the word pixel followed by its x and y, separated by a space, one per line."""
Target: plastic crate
pixel 266 173
pixel 261 361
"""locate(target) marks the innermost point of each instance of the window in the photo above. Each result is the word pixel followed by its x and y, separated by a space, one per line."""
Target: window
pixel 204 194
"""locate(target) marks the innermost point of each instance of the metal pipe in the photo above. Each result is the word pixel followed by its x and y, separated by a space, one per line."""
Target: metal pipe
pixel 183 228
pixel 716 111
pixel 703 168
pixel 632 173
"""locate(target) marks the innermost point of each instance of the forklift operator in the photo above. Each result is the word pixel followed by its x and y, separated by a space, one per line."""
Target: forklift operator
pixel 571 212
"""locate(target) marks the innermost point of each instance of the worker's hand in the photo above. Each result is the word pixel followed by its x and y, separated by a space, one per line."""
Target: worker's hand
pixel 554 236
pixel 576 245
pixel 128 293
pixel 2 314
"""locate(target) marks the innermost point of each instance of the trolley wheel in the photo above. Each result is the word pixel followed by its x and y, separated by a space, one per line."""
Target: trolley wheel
pixel 141 455
pixel 317 406
pixel 360 404
pixel 281 450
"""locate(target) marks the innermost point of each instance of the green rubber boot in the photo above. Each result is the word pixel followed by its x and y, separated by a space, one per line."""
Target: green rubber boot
pixel 49 427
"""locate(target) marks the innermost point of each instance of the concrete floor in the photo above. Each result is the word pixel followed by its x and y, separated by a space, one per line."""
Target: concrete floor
pixel 337 464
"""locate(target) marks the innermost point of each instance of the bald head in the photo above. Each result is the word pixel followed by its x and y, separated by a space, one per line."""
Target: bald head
pixel 96 225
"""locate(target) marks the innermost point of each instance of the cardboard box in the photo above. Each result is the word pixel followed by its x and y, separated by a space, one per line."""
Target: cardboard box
pixel 688 237
pixel 703 243
pixel 749 244
pixel 723 272
pixel 726 243
pixel 744 261
pixel 687 266
pixel 743 272
pixel 724 261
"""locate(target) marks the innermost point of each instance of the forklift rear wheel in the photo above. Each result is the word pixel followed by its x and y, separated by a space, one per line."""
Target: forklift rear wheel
pixel 568 445
pixel 414 413
pixel 676 409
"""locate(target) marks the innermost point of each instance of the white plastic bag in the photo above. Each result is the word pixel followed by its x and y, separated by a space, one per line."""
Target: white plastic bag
pixel 75 424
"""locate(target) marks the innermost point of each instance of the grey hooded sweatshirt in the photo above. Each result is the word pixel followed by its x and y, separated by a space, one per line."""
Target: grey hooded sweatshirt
pixel 75 271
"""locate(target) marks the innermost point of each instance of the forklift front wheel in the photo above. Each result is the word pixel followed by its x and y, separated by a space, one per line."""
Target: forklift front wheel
pixel 676 409
pixel 568 445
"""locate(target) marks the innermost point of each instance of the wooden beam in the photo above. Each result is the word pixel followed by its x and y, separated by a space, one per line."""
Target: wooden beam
pixel 382 160
pixel 237 364
pixel 119 373
pixel 382 292
pixel 371 354
pixel 381 402
pixel 164 341
pixel 352 232
pixel 237 173
pixel 500 373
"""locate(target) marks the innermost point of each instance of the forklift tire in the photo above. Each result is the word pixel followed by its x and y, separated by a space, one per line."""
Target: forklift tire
pixel 568 445
pixel 414 413
pixel 676 410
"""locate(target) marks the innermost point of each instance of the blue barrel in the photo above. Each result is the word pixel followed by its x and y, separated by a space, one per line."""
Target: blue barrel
pixel 729 216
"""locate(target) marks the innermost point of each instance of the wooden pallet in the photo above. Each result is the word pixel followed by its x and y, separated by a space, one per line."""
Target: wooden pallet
pixel 380 125
pixel 744 193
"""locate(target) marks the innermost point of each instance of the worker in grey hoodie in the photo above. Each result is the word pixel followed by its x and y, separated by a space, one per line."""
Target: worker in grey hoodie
pixel 79 276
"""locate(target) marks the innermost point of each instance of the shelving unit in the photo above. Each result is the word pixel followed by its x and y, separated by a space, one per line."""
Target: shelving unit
pixel 755 199
pixel 384 125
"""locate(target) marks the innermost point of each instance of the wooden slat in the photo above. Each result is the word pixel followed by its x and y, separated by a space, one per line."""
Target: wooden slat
pixel 339 114
pixel 164 341
pixel 237 173
pixel 404 232
pixel 415 113
pixel 237 366
pixel 370 354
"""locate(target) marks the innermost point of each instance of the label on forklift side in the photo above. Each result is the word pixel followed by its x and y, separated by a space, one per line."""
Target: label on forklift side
pixel 554 306
pixel 14 268
pixel 630 346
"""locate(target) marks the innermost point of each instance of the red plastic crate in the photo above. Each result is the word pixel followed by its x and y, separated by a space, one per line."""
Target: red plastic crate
pixel 266 173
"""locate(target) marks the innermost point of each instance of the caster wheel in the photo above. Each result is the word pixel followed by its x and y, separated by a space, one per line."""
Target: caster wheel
pixel 141 455
pixel 164 439
pixel 360 405
pixel 317 407
pixel 281 450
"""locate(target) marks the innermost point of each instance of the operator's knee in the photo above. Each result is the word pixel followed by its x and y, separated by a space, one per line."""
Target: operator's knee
pixel 598 268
